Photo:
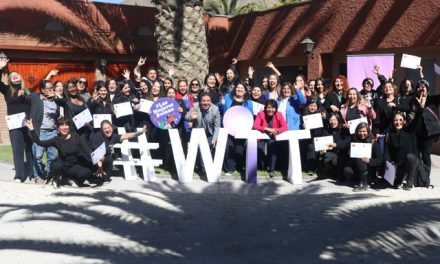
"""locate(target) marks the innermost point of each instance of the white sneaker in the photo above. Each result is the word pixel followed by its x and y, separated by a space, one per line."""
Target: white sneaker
pixel 229 173
pixel 17 180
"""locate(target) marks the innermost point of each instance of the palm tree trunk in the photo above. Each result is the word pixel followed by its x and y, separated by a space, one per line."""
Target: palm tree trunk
pixel 181 37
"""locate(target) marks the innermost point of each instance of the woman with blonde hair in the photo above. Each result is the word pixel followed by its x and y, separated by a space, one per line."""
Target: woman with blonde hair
pixel 13 89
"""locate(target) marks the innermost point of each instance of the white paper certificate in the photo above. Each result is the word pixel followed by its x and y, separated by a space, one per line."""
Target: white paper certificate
pixel 321 143
pixel 313 121
pixel 82 118
pixel 15 121
pixel 360 150
pixel 145 105
pixel 257 107
pixel 98 153
pixel 390 173
pixel 355 122
pixel 123 109
pixel 410 61
pixel 98 118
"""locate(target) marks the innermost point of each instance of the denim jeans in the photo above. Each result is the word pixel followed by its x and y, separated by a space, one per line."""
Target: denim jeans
pixel 38 151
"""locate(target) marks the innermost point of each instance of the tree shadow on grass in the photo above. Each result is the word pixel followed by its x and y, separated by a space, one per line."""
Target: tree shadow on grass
pixel 165 222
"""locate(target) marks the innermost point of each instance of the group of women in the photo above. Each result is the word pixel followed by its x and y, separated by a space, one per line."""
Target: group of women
pixel 400 123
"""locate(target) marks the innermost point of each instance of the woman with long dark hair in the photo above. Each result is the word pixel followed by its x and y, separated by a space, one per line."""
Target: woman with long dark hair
pixel 73 104
pixel 361 166
pixel 428 131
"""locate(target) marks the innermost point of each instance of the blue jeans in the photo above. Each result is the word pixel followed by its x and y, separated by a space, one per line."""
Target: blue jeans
pixel 38 151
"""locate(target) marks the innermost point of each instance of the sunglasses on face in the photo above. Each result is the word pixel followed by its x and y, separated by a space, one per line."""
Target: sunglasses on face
pixel 194 84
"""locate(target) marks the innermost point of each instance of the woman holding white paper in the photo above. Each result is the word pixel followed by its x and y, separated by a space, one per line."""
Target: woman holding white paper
pixel 127 121
pixel 13 89
pixel 361 166
pixel 70 146
pixel 272 123
pixel 336 154
pixel 310 156
pixel 73 104
pixel 356 107
pixel 106 135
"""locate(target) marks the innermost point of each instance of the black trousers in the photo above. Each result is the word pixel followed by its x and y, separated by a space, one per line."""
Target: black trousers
pixel 424 146
pixel 77 172
pixel 356 165
pixel 235 155
pixel 408 168
pixel 21 148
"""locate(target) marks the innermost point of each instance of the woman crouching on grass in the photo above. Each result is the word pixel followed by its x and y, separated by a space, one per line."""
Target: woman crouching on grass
pixel 69 164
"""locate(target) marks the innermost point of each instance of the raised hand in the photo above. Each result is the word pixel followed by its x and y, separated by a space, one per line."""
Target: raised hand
pixel 3 62
pixel 251 72
pixel 422 99
pixel 376 69
pixel 270 65
pixel 5 78
pixel 234 61
pixel 53 72
pixel 194 114
pixel 126 74
pixel 141 61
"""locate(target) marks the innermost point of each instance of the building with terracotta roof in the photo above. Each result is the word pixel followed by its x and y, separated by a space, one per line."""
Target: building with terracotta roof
pixel 81 38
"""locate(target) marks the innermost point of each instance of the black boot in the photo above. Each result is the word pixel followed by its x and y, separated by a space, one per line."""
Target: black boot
pixel 363 185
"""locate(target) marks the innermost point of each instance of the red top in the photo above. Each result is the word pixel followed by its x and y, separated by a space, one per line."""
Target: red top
pixel 278 122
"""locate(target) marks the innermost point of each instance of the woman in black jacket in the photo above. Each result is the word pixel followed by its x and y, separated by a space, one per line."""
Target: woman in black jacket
pixel 337 97
pixel 13 91
pixel 336 155
pixel 361 166
pixel 401 148
pixel 125 87
pixel 428 129
pixel 69 145
pixel 73 104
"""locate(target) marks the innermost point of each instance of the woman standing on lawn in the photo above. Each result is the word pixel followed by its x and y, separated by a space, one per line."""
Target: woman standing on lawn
pixel 13 89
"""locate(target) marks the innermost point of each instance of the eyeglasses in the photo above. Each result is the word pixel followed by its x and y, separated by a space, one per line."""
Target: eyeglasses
pixel 194 84
pixel 82 81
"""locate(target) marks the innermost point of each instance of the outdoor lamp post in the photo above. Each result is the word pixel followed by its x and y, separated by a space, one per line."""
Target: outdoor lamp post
pixel 308 46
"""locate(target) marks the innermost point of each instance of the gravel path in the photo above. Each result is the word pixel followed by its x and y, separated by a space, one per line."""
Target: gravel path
pixel 227 222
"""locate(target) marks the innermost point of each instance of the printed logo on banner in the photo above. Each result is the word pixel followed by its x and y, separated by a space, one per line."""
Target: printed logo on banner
pixel 165 113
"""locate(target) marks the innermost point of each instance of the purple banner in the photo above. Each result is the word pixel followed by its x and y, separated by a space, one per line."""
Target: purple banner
pixel 360 67
pixel 164 113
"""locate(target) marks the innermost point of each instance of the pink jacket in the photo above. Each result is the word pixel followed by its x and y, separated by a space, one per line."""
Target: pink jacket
pixel 365 112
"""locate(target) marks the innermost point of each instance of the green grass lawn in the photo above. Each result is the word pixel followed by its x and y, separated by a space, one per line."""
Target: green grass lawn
pixel 6 153
pixel 6 156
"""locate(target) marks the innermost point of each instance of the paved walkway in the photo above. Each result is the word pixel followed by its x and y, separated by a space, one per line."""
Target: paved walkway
pixel 226 222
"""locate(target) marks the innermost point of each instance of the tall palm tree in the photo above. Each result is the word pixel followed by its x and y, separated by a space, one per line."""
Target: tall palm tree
pixel 181 37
